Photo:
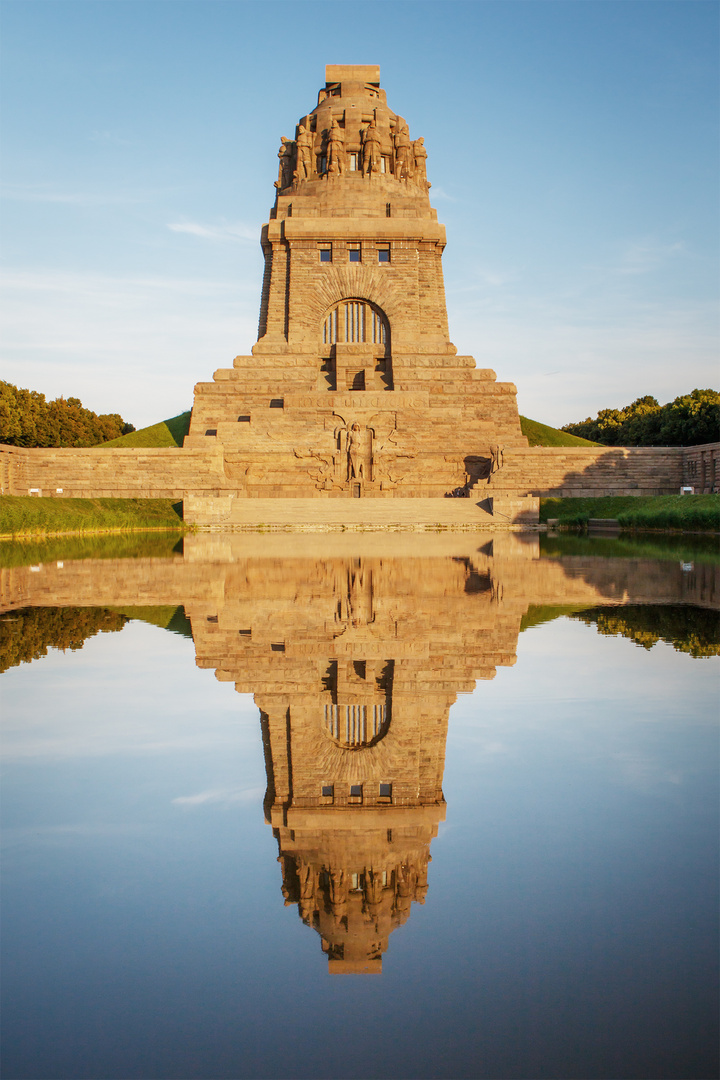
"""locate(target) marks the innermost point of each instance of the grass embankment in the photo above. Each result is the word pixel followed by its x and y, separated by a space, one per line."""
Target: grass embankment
pixel 24 515
pixel 541 435
pixel 685 512
pixel 167 433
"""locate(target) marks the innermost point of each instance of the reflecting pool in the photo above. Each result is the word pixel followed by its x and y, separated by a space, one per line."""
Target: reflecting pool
pixel 360 806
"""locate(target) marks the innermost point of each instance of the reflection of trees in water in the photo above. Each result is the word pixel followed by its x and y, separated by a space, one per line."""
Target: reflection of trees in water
pixel 28 633
pixel 688 629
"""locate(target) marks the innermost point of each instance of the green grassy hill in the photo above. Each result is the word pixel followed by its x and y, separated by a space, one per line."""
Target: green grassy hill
pixel 167 433
pixel 542 435
pixel 172 432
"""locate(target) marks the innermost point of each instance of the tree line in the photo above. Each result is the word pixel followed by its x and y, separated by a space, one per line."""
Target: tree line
pixel 27 633
pixel 27 419
pixel 688 629
pixel 687 421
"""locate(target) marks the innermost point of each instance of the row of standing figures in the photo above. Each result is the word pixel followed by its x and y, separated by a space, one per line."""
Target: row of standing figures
pixel 296 158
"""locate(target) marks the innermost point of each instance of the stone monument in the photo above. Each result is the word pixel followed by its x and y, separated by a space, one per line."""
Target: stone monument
pixel 353 389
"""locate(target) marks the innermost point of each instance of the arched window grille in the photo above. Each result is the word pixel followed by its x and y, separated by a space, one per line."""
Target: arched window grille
pixel 355 726
pixel 356 321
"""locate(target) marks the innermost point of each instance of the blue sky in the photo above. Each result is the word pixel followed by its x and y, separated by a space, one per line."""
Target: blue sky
pixel 572 152
pixel 569 917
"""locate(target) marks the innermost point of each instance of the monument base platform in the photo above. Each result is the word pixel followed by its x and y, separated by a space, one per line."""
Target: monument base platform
pixel 361 515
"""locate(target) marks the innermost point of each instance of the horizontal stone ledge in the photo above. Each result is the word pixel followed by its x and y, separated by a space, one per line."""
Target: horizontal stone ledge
pixel 353 228
pixel 367 512
pixel 366 817
pixel 358 399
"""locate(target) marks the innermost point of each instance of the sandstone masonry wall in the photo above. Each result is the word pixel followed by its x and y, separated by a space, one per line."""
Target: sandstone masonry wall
pixel 701 468
pixel 114 473
pixel 208 469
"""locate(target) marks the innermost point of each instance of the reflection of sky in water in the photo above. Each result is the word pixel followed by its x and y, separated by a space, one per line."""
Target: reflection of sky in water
pixel 568 928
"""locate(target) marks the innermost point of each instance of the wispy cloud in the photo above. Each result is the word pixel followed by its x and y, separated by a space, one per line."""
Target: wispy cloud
pixel 108 138
pixel 495 278
pixel 225 796
pixel 134 344
pixel 45 193
pixel 440 195
pixel 227 230
pixel 644 256
pixel 645 772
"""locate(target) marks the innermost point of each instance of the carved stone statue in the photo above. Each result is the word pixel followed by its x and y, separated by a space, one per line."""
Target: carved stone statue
pixel 338 888
pixel 305 141
pixel 338 895
pixel 372 150
pixel 420 163
pixel 335 150
pixel 306 903
pixel 497 459
pixel 306 875
pixel 373 893
pixel 286 153
pixel 354 453
pixel 404 158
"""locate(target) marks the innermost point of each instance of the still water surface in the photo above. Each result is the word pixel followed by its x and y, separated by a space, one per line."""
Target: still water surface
pixel 360 807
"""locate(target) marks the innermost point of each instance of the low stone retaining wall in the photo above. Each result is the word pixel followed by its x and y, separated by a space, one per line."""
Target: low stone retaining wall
pixel 498 511
pixel 94 473
pixel 566 471
pixel 202 471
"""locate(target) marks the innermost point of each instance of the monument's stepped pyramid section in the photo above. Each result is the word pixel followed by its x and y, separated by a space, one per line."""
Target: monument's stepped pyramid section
pixel 354 410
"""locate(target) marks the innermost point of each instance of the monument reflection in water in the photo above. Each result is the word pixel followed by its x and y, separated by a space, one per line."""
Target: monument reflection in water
pixel 354 661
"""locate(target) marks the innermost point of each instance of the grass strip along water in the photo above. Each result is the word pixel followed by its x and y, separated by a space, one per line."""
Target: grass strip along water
pixel 25 515
pixel 686 513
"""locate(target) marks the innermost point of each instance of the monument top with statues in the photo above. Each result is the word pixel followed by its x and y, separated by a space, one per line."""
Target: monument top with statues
pixel 352 135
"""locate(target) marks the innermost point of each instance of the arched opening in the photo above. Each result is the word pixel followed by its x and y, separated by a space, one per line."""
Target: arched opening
pixel 356 726
pixel 356 322
pixel 355 347
pixel 357 705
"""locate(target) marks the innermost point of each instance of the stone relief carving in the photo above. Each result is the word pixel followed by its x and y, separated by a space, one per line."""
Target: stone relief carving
pixel 305 142
pixel 477 468
pixel 286 154
pixel 392 452
pixel 323 469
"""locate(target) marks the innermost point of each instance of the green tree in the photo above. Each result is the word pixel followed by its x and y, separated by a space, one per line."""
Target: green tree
pixel 27 419
pixel 689 420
